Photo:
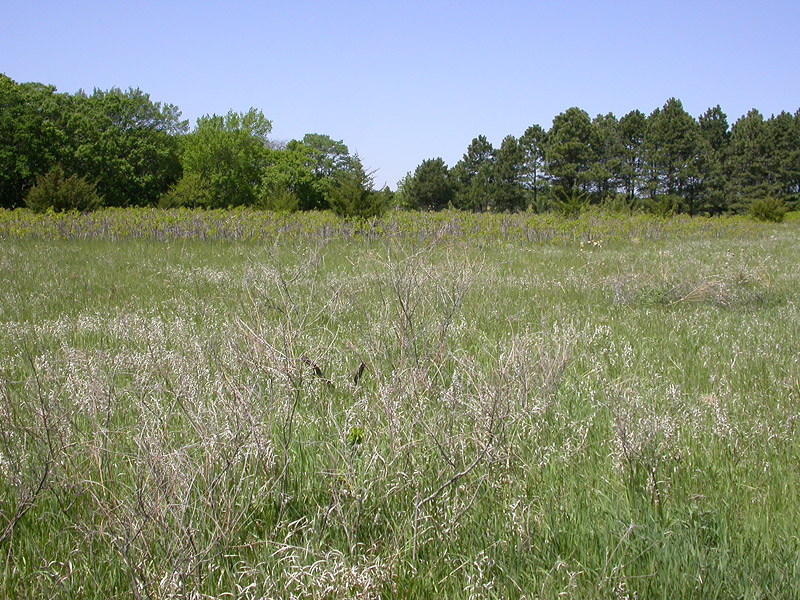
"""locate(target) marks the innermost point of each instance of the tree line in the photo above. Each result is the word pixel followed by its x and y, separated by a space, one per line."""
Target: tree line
pixel 665 162
pixel 119 148
pixel 66 151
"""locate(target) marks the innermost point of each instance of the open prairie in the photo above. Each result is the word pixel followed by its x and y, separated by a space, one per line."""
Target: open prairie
pixel 460 407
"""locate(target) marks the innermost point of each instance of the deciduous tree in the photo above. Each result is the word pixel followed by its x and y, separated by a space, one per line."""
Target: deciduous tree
pixel 229 153
pixel 125 143
pixel 31 140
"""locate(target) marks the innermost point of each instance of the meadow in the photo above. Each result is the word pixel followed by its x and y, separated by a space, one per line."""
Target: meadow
pixel 245 405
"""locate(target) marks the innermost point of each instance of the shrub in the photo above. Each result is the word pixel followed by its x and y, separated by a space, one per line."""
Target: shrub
pixel 664 205
pixel 278 199
pixel 571 206
pixel 54 191
pixel 618 204
pixel 190 191
pixel 354 196
pixel 768 209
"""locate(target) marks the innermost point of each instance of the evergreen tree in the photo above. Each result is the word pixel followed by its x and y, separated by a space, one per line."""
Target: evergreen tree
pixel 672 149
pixel 532 144
pixel 605 172
pixel 506 191
pixel 430 187
pixel 472 176
pixel 747 164
pixel 353 195
pixel 783 160
pixel 632 129
pixel 714 140
pixel 569 152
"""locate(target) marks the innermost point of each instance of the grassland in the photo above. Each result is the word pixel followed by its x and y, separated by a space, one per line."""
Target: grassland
pixel 604 407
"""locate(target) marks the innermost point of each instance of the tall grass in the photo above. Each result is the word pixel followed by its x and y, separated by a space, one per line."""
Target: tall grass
pixel 410 416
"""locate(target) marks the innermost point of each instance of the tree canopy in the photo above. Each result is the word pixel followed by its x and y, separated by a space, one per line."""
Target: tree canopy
pixel 124 149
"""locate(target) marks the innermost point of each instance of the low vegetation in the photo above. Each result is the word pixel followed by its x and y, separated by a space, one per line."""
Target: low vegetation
pixel 421 406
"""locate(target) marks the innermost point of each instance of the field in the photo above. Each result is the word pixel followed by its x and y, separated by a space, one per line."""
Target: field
pixel 200 405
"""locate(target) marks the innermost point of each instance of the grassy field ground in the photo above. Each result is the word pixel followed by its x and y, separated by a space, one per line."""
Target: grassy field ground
pixel 423 407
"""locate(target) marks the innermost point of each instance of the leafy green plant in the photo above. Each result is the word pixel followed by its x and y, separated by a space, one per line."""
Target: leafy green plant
pixel 355 436
pixel 58 193
pixel 354 196
pixel 663 205
pixel 278 199
pixel 572 205
pixel 191 191
pixel 769 209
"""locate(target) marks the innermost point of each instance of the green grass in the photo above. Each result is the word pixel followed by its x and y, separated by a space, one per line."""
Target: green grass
pixel 599 412
pixel 792 216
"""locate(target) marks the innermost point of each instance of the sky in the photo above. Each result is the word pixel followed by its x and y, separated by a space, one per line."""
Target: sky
pixel 401 82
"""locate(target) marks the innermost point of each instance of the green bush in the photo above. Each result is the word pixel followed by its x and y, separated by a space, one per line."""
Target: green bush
pixel 53 191
pixel 191 191
pixel 664 205
pixel 768 209
pixel 354 196
pixel 571 206
pixel 619 204
pixel 278 199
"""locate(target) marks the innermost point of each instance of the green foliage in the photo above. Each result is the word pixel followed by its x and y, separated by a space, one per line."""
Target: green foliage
pixel 430 187
pixel 251 225
pixel 278 199
pixel 191 191
pixel 58 193
pixel 663 205
pixel 138 153
pixel 672 147
pixel 569 152
pixel 293 180
pixel 532 174
pixel 229 153
pixel 122 141
pixel 768 209
pixel 353 196
pixel 472 176
pixel 632 129
pixel 125 142
pixel 307 174
pixel 31 141
pixel 572 205
pixel 505 191
pixel 355 437
pixel 606 171
pixel 618 203
pixel 746 166
pixel 329 157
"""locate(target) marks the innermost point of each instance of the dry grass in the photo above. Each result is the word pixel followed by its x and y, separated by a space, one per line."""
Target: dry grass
pixel 525 421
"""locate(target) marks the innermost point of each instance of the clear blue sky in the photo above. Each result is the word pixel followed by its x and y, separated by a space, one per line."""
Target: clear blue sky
pixel 400 82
